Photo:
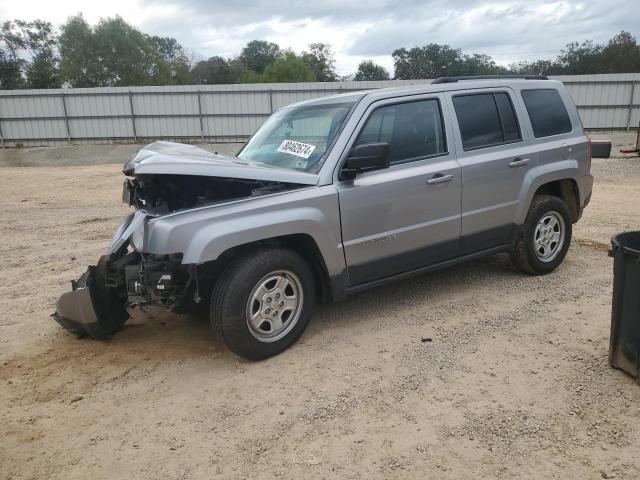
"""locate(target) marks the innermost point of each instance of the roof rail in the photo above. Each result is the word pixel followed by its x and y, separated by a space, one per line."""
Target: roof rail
pixel 487 77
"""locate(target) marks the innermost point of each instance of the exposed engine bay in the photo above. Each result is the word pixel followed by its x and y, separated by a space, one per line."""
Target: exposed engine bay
pixel 162 194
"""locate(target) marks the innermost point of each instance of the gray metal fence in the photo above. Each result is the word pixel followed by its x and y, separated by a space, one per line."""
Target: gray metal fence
pixel 218 113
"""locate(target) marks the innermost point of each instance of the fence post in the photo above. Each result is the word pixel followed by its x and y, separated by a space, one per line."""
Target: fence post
pixel 200 115
pixel 133 117
pixel 633 89
pixel 66 117
pixel 1 136
pixel 270 100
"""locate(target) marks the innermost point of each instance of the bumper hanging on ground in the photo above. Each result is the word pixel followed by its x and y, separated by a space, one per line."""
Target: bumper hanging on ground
pixel 91 308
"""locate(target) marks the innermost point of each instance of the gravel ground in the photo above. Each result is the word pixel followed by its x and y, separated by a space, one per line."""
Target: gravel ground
pixel 514 382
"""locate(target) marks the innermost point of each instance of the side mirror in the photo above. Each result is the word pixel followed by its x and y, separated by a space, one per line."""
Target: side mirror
pixel 365 158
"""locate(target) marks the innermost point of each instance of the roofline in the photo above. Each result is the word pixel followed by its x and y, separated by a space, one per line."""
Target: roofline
pixel 487 77
pixel 473 83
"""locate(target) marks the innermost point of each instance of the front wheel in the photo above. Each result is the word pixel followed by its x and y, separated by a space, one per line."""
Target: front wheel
pixel 262 302
pixel 544 238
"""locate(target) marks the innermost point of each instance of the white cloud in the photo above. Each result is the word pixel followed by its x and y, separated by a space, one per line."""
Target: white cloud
pixel 58 11
pixel 508 31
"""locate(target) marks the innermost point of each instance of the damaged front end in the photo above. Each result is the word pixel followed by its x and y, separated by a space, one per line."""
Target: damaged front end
pixel 162 179
pixel 92 307
pixel 98 304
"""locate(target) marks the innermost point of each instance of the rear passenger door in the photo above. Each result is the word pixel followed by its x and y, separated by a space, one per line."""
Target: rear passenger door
pixel 494 156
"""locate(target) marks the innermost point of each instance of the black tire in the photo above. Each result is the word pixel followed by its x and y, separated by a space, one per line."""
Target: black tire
pixel 229 301
pixel 524 254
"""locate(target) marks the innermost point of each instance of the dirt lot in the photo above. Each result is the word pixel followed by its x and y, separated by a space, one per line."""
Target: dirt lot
pixel 515 383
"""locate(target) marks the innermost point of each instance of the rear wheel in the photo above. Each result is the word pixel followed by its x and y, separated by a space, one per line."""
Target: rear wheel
pixel 544 238
pixel 262 302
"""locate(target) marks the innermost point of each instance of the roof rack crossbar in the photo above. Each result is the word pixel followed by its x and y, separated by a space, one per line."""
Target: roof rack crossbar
pixel 487 77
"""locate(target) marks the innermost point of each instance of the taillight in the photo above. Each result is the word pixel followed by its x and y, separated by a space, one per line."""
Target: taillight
pixel 589 164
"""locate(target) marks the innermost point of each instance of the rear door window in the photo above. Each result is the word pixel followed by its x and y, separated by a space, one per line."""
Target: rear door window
pixel 414 130
pixel 486 120
pixel 508 119
pixel 547 112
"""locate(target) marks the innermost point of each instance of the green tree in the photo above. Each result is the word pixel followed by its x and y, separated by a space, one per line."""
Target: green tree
pixel 479 64
pixel 320 59
pixel 80 65
pixel 11 64
pixel 174 64
pixel 579 58
pixel 30 46
pixel 368 70
pixel 248 76
pixel 10 70
pixel 40 39
pixel 42 72
pixel 218 70
pixel 430 61
pixel 622 54
pixel 537 67
pixel 434 60
pixel 258 54
pixel 289 68
pixel 114 53
pixel 126 55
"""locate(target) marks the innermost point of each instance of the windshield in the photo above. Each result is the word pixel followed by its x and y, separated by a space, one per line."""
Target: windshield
pixel 298 137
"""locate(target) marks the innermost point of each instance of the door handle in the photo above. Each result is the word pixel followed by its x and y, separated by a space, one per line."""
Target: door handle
pixel 439 178
pixel 519 162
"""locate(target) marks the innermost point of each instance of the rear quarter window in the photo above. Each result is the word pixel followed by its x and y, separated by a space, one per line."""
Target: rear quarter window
pixel 547 112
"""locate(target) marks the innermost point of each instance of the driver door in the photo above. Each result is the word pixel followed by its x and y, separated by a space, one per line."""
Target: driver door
pixel 407 216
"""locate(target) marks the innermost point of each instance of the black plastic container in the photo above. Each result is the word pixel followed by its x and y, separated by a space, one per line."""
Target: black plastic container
pixel 624 345
pixel 600 149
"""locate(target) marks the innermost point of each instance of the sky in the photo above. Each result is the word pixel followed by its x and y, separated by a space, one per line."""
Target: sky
pixel 367 29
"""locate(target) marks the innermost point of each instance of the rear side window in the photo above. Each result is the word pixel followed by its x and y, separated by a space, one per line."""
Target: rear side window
pixel 414 130
pixel 508 120
pixel 486 120
pixel 547 112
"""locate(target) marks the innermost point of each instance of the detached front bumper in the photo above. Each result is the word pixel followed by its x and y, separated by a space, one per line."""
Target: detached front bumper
pixel 97 304
pixel 75 309
pixel 91 308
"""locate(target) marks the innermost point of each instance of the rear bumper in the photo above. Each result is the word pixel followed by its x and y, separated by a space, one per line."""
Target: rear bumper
pixel 586 188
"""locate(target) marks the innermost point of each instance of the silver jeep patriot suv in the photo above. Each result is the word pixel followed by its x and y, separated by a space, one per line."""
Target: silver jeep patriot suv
pixel 335 195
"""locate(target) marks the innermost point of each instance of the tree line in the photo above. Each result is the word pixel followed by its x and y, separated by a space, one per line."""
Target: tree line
pixel 33 54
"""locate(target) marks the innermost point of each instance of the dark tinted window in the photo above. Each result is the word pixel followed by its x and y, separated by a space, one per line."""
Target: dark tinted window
pixel 486 119
pixel 508 120
pixel 547 112
pixel 413 130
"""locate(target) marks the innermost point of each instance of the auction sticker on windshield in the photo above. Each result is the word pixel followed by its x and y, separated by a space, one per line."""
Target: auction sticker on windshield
pixel 298 149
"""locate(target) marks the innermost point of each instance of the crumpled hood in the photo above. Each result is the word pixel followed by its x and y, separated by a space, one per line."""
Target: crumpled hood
pixel 179 159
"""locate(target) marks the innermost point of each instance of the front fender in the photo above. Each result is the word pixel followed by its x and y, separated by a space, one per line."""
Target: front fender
pixel 210 241
pixel 204 234
pixel 538 176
